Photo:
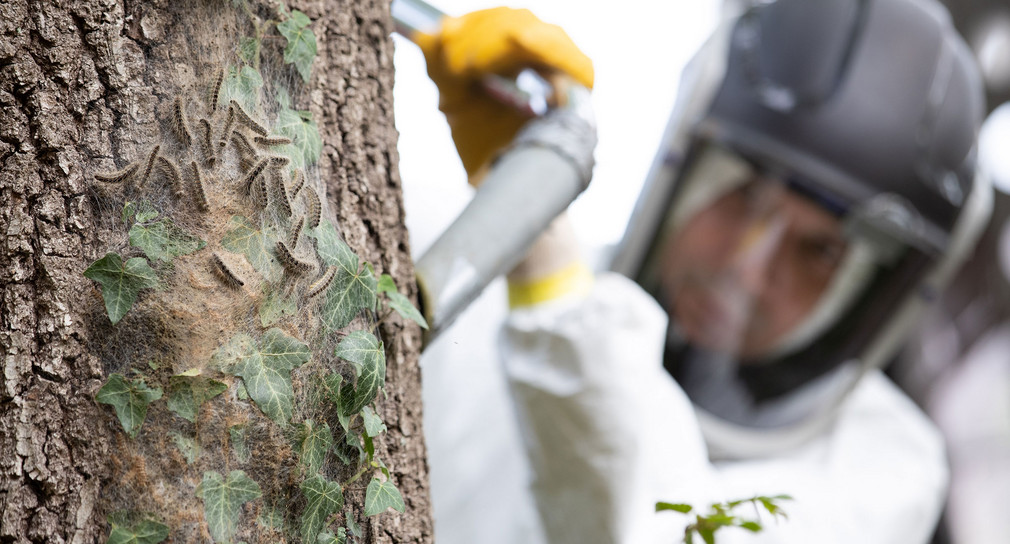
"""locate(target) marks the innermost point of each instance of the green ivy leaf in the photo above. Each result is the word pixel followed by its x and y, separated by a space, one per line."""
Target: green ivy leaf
pixel 242 85
pixel 121 282
pixel 324 498
pixel 682 508
pixel 353 527
pixel 223 500
pixel 349 450
pixel 275 306
pixel 257 246
pixel 332 385
pixel 406 309
pixel 382 495
pixel 187 392
pixel 266 372
pixel 236 434
pixel 187 446
pixel 327 537
pixel 365 351
pixel 751 526
pixel 306 145
pixel 163 240
pixel 301 48
pixel 352 289
pixel 272 517
pixel 130 400
pixel 127 529
pixel 314 442
pixel 373 423
pixel 248 49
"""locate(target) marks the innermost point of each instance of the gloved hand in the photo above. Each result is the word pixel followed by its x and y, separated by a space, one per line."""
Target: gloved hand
pixel 501 41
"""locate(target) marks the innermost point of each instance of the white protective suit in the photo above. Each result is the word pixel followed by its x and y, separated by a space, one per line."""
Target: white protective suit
pixel 607 433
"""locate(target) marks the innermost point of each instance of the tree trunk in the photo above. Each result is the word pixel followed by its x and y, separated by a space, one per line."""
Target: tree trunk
pixel 92 87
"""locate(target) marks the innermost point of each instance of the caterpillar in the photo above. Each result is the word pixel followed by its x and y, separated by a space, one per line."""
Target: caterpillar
pixel 315 207
pixel 149 165
pixel 296 232
pixel 198 189
pixel 271 141
pixel 242 144
pixel 322 283
pixel 281 193
pixel 297 182
pixel 116 177
pixel 179 122
pixel 224 273
pixel 253 174
pixel 205 143
pixel 215 92
pixel 289 262
pixel 227 128
pixel 279 160
pixel 261 191
pixel 171 171
pixel 244 119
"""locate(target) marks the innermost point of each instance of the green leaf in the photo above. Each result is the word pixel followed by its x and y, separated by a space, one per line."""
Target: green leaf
pixel 306 145
pixel 365 351
pixel 257 246
pixel 327 537
pixel 301 48
pixel 352 289
pixel 229 354
pixel 406 309
pixel 163 240
pixel 275 306
pixel 751 526
pixel 130 400
pixel 121 282
pixel 223 500
pixel 708 535
pixel 349 450
pixel 187 446
pixel 353 527
pixel 242 85
pixel 236 433
pixel 373 423
pixel 127 529
pixel 332 385
pixel 271 517
pixel 682 508
pixel 248 49
pixel 386 284
pixel 382 495
pixel 324 498
pixel 266 372
pixel 314 442
pixel 187 393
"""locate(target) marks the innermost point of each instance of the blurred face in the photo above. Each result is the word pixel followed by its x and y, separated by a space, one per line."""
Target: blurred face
pixel 746 270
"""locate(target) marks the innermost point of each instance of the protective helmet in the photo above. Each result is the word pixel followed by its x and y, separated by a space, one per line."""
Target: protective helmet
pixel 868 108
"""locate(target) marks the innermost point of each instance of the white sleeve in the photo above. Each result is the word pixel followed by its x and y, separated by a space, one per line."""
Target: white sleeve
pixel 603 423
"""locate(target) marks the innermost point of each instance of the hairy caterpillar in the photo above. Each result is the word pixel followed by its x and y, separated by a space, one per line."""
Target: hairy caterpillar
pixel 224 273
pixel 171 171
pixel 179 122
pixel 289 262
pixel 315 207
pixel 149 165
pixel 296 232
pixel 242 144
pixel 261 191
pixel 244 119
pixel 116 177
pixel 281 193
pixel 198 189
pixel 227 128
pixel 215 92
pixel 297 181
pixel 322 283
pixel 253 174
pixel 271 141
pixel 205 143
pixel 279 160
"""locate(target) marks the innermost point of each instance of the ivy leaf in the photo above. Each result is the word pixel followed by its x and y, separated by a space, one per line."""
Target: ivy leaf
pixel 373 423
pixel 682 508
pixel 242 85
pixel 365 351
pixel 751 526
pixel 223 500
pixel 266 372
pixel 353 527
pixel 126 529
pixel 121 282
pixel 236 434
pixel 327 537
pixel 187 446
pixel 248 49
pixel 257 246
pixel 301 48
pixel 275 306
pixel 187 392
pixel 324 498
pixel 306 145
pixel 332 385
pixel 382 495
pixel 400 303
pixel 130 400
pixel 314 442
pixel 163 240
pixel 353 287
pixel 272 517
pixel 349 450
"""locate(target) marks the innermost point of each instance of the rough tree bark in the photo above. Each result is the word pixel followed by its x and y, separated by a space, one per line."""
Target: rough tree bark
pixel 87 86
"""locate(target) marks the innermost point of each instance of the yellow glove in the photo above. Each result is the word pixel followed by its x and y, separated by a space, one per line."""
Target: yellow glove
pixel 501 41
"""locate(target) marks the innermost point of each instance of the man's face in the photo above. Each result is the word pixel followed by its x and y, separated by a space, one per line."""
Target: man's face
pixel 745 271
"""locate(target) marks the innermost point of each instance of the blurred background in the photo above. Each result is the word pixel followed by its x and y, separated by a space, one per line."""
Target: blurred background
pixel 957 367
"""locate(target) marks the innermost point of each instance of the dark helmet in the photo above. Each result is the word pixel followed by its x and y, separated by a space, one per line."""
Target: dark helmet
pixel 870 108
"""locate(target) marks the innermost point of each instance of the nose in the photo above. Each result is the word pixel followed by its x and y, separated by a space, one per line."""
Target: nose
pixel 753 260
